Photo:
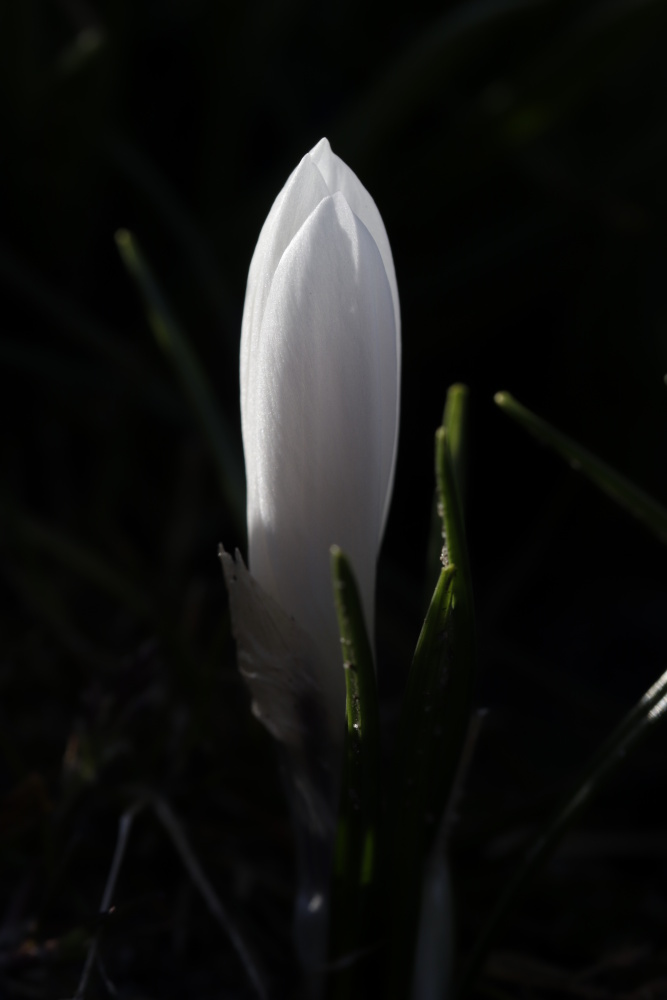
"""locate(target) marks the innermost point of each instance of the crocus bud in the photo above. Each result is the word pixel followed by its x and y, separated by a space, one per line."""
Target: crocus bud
pixel 320 370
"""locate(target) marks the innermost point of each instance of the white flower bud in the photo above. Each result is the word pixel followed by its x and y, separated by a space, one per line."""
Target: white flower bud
pixel 320 372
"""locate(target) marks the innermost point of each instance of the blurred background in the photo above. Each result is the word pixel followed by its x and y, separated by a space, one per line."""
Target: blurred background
pixel 517 150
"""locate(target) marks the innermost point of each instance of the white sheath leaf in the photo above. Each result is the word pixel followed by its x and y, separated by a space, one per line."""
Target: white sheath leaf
pixel 277 660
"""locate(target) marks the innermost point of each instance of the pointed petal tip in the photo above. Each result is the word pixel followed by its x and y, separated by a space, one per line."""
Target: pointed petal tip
pixel 323 146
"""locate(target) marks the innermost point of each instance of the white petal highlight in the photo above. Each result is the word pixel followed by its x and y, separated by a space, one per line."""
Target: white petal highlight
pixel 339 177
pixel 303 191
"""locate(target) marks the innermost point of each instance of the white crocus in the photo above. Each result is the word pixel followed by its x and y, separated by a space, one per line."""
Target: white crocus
pixel 320 371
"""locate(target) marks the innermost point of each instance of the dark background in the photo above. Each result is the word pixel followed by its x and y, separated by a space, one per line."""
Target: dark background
pixel 517 152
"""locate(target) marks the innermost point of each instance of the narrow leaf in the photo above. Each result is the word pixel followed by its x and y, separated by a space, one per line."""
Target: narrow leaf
pixel 636 724
pixel 177 348
pixel 455 422
pixel 434 719
pixel 622 490
pixel 354 910
pixel 456 425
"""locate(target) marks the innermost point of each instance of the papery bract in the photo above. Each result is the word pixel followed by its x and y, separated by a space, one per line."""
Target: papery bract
pixel 320 370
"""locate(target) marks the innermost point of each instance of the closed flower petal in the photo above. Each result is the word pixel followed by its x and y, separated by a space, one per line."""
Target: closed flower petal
pixel 320 368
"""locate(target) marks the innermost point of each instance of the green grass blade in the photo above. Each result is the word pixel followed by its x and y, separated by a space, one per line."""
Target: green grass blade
pixel 622 490
pixel 354 908
pixel 455 422
pixel 636 724
pixel 187 366
pixel 455 548
pixel 434 720
pixel 420 755
pixel 456 425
